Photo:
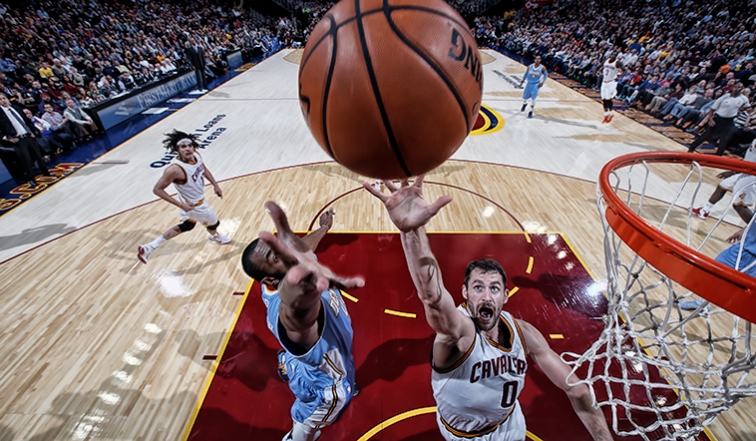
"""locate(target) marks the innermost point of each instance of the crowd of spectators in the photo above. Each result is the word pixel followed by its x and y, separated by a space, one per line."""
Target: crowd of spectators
pixel 89 51
pixel 678 55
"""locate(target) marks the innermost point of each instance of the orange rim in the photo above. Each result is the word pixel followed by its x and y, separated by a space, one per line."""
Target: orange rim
pixel 715 282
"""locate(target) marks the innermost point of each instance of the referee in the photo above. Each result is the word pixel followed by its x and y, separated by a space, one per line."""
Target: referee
pixel 721 119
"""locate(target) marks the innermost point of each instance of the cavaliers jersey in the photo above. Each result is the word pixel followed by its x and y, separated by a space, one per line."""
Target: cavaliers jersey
pixel 329 362
pixel 750 154
pixel 479 392
pixel 610 71
pixel 193 189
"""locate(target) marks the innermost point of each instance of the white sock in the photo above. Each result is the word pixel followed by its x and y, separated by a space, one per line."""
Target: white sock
pixel 707 207
pixel 157 242
pixel 606 113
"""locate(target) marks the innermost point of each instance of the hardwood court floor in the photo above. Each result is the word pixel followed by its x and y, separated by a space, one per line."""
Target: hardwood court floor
pixel 98 346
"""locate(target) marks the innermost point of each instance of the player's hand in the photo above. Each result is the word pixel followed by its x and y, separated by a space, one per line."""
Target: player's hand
pixel 406 206
pixel 186 206
pixel 725 174
pixel 326 219
pixel 218 191
pixel 736 237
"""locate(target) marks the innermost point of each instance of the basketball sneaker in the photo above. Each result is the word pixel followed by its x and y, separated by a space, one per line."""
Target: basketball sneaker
pixel 530 114
pixel 144 252
pixel 218 238
pixel 522 109
pixel 700 213
pixel 282 366
pixel 606 119
pixel 691 305
pixel 609 118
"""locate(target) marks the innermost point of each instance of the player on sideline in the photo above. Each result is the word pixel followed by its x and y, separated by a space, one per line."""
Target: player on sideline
pixel 306 313
pixel 742 185
pixel 186 173
pixel 479 353
pixel 535 75
pixel 609 86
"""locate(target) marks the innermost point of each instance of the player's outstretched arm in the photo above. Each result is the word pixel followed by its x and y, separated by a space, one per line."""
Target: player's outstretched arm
pixel 326 222
pixel 410 211
pixel 557 371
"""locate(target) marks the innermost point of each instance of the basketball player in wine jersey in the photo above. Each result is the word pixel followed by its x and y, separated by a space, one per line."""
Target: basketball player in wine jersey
pixel 479 356
pixel 609 86
pixel 186 173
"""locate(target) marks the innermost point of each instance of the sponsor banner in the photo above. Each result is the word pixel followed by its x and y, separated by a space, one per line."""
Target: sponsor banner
pixel 234 59
pixel 122 110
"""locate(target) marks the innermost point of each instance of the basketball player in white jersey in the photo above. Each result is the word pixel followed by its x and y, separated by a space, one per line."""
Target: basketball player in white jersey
pixel 479 354
pixel 186 173
pixel 609 86
pixel 742 186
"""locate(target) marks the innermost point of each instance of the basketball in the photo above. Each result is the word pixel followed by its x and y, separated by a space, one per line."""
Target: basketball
pixel 390 89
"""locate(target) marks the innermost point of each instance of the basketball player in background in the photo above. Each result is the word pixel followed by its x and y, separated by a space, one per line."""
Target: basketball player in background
pixel 535 75
pixel 742 186
pixel 479 353
pixel 609 85
pixel 186 172
pixel 308 316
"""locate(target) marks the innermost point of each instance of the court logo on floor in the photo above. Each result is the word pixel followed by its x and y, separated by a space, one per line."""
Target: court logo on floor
pixel 26 190
pixel 489 121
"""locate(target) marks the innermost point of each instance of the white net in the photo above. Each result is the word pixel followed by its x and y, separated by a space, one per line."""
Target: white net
pixel 666 372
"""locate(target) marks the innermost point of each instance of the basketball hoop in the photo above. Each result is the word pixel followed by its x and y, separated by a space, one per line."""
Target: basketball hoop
pixel 664 372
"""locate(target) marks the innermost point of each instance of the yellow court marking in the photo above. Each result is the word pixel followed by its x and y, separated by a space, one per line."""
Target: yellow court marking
pixel 530 265
pixel 527 237
pixel 409 414
pixel 556 336
pixel 354 299
pixel 513 291
pixel 216 362
pixel 400 313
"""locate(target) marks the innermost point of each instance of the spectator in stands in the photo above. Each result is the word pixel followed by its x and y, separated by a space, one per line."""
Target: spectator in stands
pixel 59 124
pixel 46 140
pixel 81 120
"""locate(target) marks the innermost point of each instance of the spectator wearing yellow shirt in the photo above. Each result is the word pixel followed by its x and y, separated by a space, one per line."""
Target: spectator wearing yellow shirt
pixel 45 71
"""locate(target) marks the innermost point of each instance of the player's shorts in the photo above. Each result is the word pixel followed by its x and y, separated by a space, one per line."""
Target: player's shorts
pixel 319 402
pixel 743 188
pixel 512 429
pixel 608 90
pixel 729 257
pixel 201 213
pixel 530 92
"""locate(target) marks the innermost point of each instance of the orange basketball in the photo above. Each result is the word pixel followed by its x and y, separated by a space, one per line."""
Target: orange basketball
pixel 390 88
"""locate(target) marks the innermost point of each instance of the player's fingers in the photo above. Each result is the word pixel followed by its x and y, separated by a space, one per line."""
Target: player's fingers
pixel 348 282
pixel 405 183
pixel 278 216
pixel 390 185
pixel 377 193
pixel 419 182
pixel 439 204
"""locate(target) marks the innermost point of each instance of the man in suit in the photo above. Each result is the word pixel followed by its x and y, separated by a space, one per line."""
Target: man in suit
pixel 18 134
pixel 196 57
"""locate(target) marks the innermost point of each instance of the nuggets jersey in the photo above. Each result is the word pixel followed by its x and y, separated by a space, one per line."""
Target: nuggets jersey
pixel 610 71
pixel 193 190
pixel 479 392
pixel 329 362
pixel 535 76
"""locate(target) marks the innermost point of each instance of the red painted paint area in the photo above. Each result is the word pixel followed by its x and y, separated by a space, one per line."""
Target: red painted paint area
pixel 479 122
pixel 247 400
